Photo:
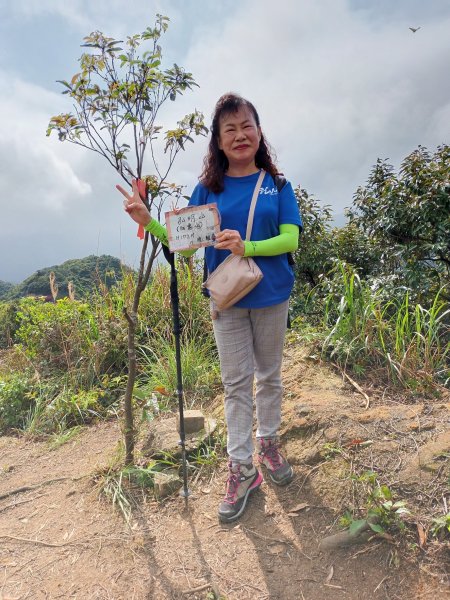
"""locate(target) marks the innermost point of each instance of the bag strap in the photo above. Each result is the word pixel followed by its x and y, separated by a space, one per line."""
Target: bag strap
pixel 280 181
pixel 251 212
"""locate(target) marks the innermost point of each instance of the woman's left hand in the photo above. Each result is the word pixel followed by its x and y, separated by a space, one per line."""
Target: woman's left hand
pixel 230 239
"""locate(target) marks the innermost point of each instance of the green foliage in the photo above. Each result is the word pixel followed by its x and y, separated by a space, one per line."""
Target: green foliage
pixel 410 343
pixel 321 246
pixel 73 408
pixel 156 309
pixel 5 286
pixel 112 486
pixel 213 596
pixel 56 336
pixel 120 485
pixel 199 358
pixel 383 514
pixel 51 406
pixel 355 247
pixel 63 436
pixel 331 450
pixel 119 90
pixel 378 288
pixel 82 341
pixel 123 487
pixel 76 354
pixel 86 274
pixel 110 349
pixel 199 365
pixel 16 399
pixel 440 526
pixel 316 249
pixel 209 454
pixel 8 323
pixel 407 215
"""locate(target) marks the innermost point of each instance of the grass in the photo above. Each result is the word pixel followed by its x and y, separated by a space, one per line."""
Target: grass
pixel 409 343
pixel 199 366
pixel 125 486
pixel 113 488
pixel 58 439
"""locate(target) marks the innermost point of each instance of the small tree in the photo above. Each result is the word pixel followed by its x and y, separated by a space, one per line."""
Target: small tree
pixel 407 215
pixel 117 97
pixel 316 249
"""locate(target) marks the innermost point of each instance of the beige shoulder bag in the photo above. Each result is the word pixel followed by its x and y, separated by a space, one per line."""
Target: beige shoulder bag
pixel 236 276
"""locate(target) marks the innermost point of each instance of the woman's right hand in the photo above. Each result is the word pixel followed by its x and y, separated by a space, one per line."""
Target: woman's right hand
pixel 134 205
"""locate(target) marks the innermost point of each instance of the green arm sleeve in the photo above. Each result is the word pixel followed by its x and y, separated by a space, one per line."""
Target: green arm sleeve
pixel 287 241
pixel 160 232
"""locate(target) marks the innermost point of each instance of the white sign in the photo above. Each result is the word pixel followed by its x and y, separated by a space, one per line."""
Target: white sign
pixel 192 227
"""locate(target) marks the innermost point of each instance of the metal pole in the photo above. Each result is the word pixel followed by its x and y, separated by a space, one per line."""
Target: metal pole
pixel 177 331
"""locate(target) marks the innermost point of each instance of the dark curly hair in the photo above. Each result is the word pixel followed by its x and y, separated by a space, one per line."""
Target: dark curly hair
pixel 215 163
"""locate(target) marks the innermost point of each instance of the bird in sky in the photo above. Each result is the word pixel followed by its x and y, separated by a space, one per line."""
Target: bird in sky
pixel 414 29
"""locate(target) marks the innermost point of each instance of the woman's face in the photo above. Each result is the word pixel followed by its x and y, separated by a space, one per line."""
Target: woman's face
pixel 239 137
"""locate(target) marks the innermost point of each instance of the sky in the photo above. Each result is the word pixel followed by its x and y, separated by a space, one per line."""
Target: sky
pixel 337 84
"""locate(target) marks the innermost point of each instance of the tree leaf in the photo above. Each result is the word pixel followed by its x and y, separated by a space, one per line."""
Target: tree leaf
pixel 356 526
pixel 377 528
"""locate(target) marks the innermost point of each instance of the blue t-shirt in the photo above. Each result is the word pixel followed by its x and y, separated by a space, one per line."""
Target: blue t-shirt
pixel 273 209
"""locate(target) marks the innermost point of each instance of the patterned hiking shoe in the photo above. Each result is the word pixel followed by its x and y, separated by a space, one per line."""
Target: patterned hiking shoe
pixel 242 481
pixel 269 455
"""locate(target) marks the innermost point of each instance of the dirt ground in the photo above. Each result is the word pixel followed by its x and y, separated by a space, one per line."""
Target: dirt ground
pixel 58 539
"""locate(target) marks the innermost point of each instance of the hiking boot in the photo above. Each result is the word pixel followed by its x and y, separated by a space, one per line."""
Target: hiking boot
pixel 242 481
pixel 269 455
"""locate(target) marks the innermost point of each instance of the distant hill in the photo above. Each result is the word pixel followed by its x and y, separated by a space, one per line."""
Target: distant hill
pixel 84 273
pixel 5 286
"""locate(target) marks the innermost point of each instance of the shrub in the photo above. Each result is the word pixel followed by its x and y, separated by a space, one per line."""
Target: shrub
pixel 16 399
pixel 77 352
pixel 56 336
pixel 110 347
pixel 407 215
pixel 410 342
pixel 199 360
pixel 199 365
pixel 156 308
pixel 74 407
pixel 81 340
pixel 8 323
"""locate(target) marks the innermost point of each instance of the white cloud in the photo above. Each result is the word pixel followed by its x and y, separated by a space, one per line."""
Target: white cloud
pixel 113 17
pixel 335 90
pixel 35 172
pixel 71 11
pixel 338 83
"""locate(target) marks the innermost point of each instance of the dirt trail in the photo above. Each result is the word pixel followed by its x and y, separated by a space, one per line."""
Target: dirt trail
pixel 59 541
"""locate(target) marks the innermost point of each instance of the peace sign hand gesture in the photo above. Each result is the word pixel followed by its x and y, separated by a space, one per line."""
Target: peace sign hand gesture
pixel 134 205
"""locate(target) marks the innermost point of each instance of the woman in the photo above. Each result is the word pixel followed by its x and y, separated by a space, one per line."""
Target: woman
pixel 250 334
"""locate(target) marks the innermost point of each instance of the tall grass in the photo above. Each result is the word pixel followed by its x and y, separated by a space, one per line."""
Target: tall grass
pixel 73 354
pixel 199 359
pixel 155 310
pixel 199 365
pixel 410 343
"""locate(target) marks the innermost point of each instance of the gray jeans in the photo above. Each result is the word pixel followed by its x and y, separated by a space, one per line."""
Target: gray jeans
pixel 250 344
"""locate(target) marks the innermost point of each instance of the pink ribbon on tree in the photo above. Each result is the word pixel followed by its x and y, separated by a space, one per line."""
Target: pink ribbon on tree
pixel 142 189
